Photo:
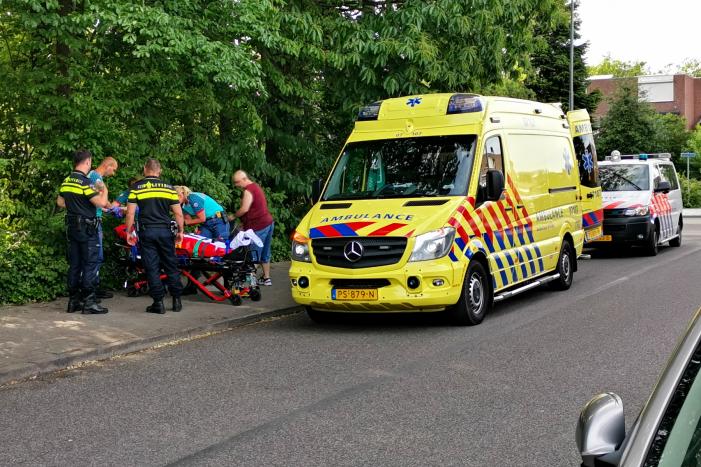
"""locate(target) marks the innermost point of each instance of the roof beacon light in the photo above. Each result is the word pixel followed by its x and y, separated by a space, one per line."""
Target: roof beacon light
pixel 464 103
pixel 617 156
pixel 370 112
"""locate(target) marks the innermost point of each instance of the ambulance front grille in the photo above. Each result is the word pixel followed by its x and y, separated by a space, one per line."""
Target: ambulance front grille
pixel 376 251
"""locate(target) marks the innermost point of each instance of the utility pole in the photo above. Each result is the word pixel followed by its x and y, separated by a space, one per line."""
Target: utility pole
pixel 571 102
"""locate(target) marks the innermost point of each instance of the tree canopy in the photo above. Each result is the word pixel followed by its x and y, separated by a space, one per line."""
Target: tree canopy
pixel 619 68
pixel 270 86
pixel 551 63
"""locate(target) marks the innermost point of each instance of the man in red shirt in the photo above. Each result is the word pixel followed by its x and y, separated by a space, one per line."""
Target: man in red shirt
pixel 254 215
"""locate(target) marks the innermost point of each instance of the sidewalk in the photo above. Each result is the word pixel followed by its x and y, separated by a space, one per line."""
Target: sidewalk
pixel 691 212
pixel 40 338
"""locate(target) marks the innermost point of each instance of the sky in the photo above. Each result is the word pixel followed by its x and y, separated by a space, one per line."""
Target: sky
pixel 659 32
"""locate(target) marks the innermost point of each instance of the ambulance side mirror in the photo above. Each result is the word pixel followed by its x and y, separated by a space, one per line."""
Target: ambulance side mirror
pixel 663 187
pixel 317 186
pixel 495 185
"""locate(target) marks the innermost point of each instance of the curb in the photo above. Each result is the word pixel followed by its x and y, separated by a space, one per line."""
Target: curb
pixel 24 371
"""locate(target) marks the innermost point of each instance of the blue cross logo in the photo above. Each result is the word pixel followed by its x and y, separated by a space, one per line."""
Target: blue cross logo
pixel 588 161
pixel 413 101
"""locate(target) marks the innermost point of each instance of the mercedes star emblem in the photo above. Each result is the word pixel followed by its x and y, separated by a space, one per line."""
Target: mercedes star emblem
pixel 353 251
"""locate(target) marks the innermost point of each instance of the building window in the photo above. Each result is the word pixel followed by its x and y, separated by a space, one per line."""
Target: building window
pixel 656 88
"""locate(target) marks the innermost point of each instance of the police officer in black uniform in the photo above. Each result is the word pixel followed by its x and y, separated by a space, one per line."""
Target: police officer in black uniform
pixel 80 200
pixel 156 200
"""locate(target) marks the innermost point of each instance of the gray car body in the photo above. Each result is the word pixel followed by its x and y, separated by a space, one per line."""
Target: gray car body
pixel 636 445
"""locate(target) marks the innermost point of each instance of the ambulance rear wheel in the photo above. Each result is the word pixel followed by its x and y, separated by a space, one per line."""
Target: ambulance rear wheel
pixel 475 299
pixel 565 268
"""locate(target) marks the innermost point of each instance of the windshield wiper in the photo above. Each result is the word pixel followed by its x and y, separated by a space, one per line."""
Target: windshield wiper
pixel 627 181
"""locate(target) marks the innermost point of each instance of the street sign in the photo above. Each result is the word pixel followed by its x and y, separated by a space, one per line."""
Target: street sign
pixel 688 155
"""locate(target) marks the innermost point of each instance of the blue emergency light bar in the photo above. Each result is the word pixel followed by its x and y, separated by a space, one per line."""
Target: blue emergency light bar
pixel 464 103
pixel 640 157
pixel 370 112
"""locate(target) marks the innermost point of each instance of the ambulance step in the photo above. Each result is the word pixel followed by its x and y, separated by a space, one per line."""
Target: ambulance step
pixel 529 286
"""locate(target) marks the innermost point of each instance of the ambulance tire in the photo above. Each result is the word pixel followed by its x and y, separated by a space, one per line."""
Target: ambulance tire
pixel 652 246
pixel 565 268
pixel 476 297
pixel 678 240
pixel 319 317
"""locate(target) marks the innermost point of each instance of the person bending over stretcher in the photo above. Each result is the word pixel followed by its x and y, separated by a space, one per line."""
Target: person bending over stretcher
pixel 200 209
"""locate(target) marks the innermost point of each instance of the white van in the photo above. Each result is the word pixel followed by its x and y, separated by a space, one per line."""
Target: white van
pixel 642 201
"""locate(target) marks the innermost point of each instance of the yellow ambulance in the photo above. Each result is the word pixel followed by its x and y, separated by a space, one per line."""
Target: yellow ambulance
pixel 442 202
pixel 590 186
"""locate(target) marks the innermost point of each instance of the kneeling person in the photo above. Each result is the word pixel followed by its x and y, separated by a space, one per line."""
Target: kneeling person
pixel 200 209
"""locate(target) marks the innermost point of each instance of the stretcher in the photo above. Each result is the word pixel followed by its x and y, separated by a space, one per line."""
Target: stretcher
pixel 216 269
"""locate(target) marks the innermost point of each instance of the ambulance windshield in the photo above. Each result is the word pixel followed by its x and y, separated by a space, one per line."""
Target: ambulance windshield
pixel 403 168
pixel 624 177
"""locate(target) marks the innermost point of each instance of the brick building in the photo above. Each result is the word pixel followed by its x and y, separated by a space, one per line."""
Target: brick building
pixel 677 94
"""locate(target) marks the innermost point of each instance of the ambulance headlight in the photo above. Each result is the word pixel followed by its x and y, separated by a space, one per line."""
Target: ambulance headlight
pixel 432 245
pixel 641 211
pixel 300 248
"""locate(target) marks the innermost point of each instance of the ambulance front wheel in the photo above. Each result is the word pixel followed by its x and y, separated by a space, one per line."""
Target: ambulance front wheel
pixel 565 268
pixel 475 299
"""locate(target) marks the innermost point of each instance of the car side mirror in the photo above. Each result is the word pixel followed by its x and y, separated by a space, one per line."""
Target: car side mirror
pixel 495 185
pixel 601 427
pixel 317 186
pixel 663 187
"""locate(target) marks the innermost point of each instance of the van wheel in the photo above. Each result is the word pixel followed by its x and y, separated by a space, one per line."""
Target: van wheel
pixel 652 246
pixel 475 299
pixel 319 317
pixel 677 241
pixel 565 268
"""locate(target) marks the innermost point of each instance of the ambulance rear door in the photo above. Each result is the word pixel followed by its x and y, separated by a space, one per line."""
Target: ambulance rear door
pixel 589 184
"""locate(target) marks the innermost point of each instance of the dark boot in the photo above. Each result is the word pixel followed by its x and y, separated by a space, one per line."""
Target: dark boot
pixel 74 304
pixel 91 307
pixel 177 304
pixel 156 307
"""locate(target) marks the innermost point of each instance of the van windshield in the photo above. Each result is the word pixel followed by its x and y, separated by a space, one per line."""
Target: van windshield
pixel 403 168
pixel 624 177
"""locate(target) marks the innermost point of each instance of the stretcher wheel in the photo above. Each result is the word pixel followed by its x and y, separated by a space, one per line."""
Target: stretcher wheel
pixel 255 295
pixel 236 300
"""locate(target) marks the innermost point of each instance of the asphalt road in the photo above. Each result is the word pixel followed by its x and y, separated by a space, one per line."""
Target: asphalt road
pixel 399 390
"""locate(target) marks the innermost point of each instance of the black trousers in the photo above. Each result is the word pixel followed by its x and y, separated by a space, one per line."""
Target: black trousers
pixel 83 257
pixel 158 251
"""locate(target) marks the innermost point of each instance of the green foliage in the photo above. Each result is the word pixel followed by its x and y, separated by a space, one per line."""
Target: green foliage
pixel 208 87
pixel 30 268
pixel 671 135
pixel 619 68
pixel 691 191
pixel 629 127
pixel 694 145
pixel 691 67
pixel 550 80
